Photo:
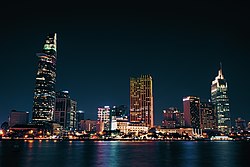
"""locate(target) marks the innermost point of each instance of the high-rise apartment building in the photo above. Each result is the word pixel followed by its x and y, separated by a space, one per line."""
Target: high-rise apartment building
pixel 119 111
pixel 65 110
pixel 191 106
pixel 219 97
pixel 141 101
pixel 208 115
pixel 44 93
pixel 104 117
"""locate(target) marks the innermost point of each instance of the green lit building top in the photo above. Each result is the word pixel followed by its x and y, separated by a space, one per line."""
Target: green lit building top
pixel 44 92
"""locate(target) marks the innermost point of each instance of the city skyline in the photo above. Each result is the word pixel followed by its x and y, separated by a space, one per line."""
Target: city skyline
pixel 100 50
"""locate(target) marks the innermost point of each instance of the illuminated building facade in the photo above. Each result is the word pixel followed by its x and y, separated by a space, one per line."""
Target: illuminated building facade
pixel 208 115
pixel 191 106
pixel 172 118
pixel 104 117
pixel 219 97
pixel 128 128
pixel 44 92
pixel 119 111
pixel 100 126
pixel 141 101
pixel 65 110
pixel 188 131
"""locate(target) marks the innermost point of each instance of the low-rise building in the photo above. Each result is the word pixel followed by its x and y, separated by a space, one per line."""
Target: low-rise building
pixel 18 117
pixel 181 131
pixel 127 128
pixel 173 118
pixel 88 125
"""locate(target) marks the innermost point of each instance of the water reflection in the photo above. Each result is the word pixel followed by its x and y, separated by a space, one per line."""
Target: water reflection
pixel 11 153
pixel 122 154
pixel 107 154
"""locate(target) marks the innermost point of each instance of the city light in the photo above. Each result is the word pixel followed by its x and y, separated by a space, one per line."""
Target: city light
pixel 1 132
pixel 55 115
pixel 125 84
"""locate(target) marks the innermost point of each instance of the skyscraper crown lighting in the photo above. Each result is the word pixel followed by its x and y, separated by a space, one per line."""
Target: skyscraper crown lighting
pixel 219 97
pixel 44 92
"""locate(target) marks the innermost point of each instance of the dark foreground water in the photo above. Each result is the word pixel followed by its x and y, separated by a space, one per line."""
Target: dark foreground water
pixel 119 154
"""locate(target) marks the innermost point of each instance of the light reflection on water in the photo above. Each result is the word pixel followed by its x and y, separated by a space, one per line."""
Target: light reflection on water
pixel 122 154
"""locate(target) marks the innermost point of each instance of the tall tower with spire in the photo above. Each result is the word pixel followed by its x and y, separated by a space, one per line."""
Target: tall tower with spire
pixel 44 92
pixel 219 97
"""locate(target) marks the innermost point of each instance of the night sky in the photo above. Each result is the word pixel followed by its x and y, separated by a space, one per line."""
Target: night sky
pixel 100 46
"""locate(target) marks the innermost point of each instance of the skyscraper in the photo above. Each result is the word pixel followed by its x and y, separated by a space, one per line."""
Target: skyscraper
pixel 191 106
pixel 219 97
pixel 65 110
pixel 208 115
pixel 44 93
pixel 119 111
pixel 103 117
pixel 141 101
